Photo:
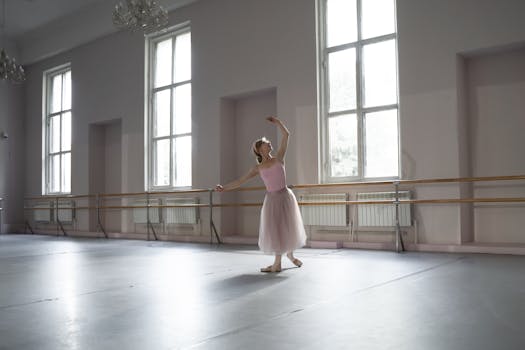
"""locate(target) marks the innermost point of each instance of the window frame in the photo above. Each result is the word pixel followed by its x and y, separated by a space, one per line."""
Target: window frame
pixel 360 111
pixel 47 155
pixel 150 90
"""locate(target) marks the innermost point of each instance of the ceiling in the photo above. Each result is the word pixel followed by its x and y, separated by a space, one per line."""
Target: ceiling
pixel 22 16
pixel 36 29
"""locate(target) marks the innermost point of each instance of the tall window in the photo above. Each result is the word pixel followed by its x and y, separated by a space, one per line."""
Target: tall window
pixel 169 122
pixel 57 129
pixel 359 99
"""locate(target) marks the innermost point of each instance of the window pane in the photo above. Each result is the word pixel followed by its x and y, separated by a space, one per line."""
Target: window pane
pixel 380 73
pixel 342 80
pixel 162 69
pixel 54 134
pixel 66 172
pixel 54 173
pixel 56 94
pixel 341 22
pixel 162 163
pixel 378 18
pixel 67 91
pixel 161 114
pixel 66 131
pixel 343 145
pixel 182 109
pixel 182 58
pixel 182 154
pixel 382 149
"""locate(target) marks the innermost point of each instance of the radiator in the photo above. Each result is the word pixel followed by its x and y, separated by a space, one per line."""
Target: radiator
pixel 182 215
pixel 324 215
pixel 140 215
pixel 44 214
pixel 66 211
pixel 383 215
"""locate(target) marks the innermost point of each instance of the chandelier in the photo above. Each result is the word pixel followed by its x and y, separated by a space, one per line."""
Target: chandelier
pixel 145 15
pixel 9 69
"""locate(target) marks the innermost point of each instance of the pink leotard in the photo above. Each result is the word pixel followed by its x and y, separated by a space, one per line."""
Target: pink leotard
pixel 274 177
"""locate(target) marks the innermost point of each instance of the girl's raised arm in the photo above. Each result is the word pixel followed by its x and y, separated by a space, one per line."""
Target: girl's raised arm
pixel 281 152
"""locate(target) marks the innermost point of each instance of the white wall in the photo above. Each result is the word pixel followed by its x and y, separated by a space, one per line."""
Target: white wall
pixel 232 55
pixel 250 124
pixel 11 148
pixel 246 46
pixel 431 35
pixel 4 148
pixel 107 83
pixel 241 46
pixel 496 86
pixel 105 166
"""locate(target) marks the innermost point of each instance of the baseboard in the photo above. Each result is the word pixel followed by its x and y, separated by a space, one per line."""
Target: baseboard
pixel 185 238
pixel 237 239
pixel 85 234
pixel 473 247
pixel 369 245
pixel 481 248
pixel 325 244
pixel 12 228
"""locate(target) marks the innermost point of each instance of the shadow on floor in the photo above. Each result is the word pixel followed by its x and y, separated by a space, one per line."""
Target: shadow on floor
pixel 246 284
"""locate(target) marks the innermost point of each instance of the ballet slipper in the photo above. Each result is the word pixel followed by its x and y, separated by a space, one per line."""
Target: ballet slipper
pixel 297 262
pixel 270 268
pixel 294 261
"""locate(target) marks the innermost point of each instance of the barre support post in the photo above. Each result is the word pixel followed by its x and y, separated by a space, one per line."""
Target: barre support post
pixel 99 222
pixel 399 240
pixel 213 229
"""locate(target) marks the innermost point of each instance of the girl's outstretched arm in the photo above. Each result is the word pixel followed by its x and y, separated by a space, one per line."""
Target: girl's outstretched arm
pixel 235 184
pixel 281 152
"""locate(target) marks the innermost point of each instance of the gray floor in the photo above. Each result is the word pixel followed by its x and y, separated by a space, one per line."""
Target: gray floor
pixel 62 293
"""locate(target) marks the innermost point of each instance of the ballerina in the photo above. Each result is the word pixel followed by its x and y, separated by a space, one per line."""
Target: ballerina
pixel 281 228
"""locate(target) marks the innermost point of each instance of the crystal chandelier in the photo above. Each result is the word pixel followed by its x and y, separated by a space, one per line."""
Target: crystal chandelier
pixel 9 69
pixel 145 15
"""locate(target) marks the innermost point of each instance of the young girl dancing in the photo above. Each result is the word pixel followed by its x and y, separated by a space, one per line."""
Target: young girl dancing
pixel 281 229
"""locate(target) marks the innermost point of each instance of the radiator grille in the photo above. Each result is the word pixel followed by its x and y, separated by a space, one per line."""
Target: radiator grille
pixel 44 214
pixel 324 215
pixel 66 211
pixel 383 215
pixel 140 215
pixel 182 215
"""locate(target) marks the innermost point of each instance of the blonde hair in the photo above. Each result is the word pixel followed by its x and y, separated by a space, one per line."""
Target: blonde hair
pixel 255 148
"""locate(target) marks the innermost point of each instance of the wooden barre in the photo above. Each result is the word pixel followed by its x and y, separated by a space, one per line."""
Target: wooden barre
pixel 392 202
pixel 129 194
pixel 466 179
pixel 384 202
pixel 123 207
pixel 410 182
pixel 304 186
pixel 153 206
pixel 51 197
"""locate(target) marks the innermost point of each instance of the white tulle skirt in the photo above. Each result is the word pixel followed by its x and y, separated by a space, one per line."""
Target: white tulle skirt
pixel 281 229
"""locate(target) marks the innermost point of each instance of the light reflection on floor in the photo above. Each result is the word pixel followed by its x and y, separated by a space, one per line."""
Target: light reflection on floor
pixel 64 293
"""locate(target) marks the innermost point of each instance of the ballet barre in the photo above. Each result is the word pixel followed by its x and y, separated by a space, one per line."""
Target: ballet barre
pixel 399 244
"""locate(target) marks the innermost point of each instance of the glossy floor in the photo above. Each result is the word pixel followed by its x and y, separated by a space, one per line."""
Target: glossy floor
pixel 64 293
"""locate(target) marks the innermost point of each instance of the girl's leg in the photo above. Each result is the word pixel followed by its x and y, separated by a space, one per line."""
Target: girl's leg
pixel 276 267
pixel 293 259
